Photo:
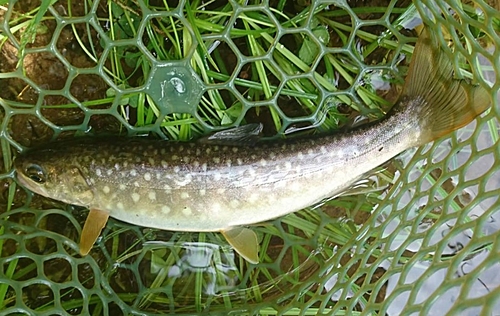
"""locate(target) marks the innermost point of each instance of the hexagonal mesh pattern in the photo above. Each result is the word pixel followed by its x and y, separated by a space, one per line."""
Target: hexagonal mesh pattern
pixel 426 236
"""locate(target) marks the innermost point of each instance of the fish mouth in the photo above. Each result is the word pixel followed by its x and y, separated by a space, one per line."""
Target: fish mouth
pixel 21 179
pixel 28 184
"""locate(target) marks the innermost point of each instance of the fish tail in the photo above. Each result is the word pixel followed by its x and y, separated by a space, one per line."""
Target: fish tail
pixel 444 103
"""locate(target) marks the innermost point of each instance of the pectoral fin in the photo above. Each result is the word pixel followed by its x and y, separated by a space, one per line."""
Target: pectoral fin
pixel 245 242
pixel 236 136
pixel 95 222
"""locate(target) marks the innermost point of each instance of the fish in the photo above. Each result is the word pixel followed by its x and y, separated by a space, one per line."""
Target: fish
pixel 230 180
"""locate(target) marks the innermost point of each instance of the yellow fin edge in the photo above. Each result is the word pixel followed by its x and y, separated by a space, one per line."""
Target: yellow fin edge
pixel 96 220
pixel 245 243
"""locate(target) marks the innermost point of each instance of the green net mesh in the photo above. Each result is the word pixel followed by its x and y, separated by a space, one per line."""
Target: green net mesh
pixel 421 236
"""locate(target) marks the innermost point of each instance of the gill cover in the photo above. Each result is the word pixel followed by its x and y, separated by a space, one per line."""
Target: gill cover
pixel 75 186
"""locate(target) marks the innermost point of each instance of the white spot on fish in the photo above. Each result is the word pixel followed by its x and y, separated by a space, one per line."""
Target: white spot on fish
pixel 235 150
pixel 221 191
pixel 165 209
pixel 136 184
pixel 174 157
pixel 158 176
pixel 151 161
pixel 117 166
pixel 167 187
pixel 288 165
pixel 196 163
pixel 152 195
pixel 92 180
pixel 216 159
pixel 239 161
pixel 300 155
pixel 147 176
pixel 106 189
pixel 164 164
pixel 177 169
pixel 234 203
pixel 133 172
pixel 136 197
pixel 229 162
pixel 216 208
pixel 120 205
pixel 254 197
pixel 109 172
pixel 263 162
pixel 323 150
pixel 122 186
pixel 182 182
pixel 295 186
pixel 187 211
pixel 204 167
pixel 184 195
pixel 98 172
pixel 272 155
pixel 203 192
pixel 125 164
pixel 310 151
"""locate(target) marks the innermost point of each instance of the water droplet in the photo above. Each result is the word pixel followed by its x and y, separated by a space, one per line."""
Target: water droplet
pixel 178 85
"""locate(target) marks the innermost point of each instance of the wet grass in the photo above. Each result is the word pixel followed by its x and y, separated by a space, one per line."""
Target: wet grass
pixel 258 34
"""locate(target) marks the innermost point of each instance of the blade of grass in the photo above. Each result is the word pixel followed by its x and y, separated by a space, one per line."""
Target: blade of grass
pixel 28 36
pixel 9 272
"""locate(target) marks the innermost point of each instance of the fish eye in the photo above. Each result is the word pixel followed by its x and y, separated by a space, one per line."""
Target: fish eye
pixel 35 173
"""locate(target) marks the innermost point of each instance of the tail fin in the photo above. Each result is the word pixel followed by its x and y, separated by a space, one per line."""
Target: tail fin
pixel 446 103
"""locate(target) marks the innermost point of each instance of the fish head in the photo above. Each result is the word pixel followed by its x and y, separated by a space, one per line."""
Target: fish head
pixel 47 173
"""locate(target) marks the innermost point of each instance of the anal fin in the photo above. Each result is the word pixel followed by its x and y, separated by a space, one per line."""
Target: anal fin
pixel 92 228
pixel 245 243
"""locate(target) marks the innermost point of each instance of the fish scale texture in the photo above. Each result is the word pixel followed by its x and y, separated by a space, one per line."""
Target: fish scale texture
pixel 422 237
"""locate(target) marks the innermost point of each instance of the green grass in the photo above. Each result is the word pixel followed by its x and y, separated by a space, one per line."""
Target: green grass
pixel 253 28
